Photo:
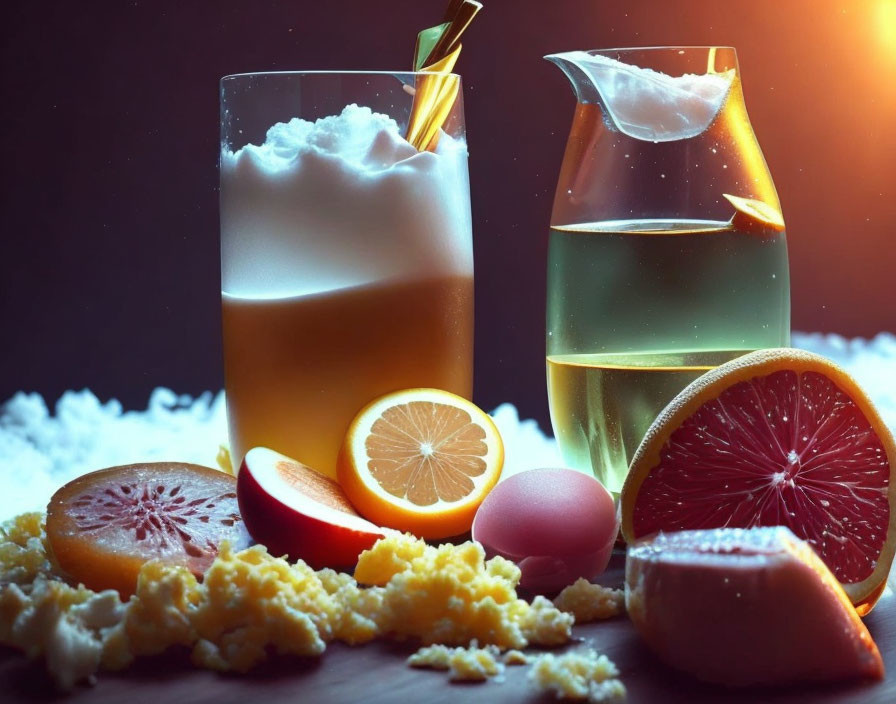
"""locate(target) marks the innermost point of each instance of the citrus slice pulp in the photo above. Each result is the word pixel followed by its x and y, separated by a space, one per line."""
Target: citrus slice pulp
pixel 420 460
pixel 751 214
pixel 776 437
pixel 103 526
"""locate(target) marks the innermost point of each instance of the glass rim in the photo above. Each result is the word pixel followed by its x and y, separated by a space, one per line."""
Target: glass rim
pixel 319 72
pixel 667 46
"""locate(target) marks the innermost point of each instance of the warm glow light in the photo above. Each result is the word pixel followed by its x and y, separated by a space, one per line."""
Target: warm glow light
pixel 886 21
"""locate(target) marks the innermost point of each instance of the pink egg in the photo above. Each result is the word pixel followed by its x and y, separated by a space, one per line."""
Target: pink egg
pixel 556 524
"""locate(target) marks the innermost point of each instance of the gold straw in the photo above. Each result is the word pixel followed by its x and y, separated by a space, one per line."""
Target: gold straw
pixel 436 90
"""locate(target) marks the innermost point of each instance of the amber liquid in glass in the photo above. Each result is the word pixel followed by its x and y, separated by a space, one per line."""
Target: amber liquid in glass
pixel 299 369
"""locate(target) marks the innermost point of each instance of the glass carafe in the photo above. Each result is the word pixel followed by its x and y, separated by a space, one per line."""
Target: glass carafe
pixel 667 254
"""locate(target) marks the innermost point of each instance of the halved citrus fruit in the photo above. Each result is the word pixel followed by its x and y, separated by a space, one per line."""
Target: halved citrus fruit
pixel 420 460
pixel 103 526
pixel 776 437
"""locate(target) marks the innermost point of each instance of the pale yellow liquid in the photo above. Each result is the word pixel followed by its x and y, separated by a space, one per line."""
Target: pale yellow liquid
pixel 297 370
pixel 637 310
pixel 603 404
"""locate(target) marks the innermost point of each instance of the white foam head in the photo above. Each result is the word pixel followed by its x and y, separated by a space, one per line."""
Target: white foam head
pixel 341 202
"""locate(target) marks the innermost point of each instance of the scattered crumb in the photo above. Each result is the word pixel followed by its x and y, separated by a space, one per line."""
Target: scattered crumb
pixel 582 675
pixel 432 656
pixel 515 657
pixel 472 664
pixel 73 628
pixel 590 602
pixel 452 595
pixel 23 552
pixel 251 604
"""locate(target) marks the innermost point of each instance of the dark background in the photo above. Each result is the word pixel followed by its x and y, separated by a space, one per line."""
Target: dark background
pixel 109 271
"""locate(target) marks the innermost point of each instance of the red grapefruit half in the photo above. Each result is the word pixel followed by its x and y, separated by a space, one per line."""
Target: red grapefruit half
pixel 776 437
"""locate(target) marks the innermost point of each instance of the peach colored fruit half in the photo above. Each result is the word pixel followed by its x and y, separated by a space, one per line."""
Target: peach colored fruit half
pixel 557 525
pixel 103 526
pixel 745 607
pixel 776 437
pixel 294 510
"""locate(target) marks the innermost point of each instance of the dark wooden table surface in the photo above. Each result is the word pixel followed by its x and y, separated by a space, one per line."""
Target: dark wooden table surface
pixel 377 672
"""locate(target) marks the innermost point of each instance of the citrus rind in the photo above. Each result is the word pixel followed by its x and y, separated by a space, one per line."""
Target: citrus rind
pixel 433 519
pixel 709 387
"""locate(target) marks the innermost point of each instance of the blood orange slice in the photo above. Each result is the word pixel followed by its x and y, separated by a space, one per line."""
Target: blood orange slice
pixel 776 437
pixel 103 526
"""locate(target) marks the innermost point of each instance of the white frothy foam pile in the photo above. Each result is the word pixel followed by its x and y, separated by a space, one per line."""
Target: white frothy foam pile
pixel 340 202
pixel 40 451
pixel 872 363
pixel 651 105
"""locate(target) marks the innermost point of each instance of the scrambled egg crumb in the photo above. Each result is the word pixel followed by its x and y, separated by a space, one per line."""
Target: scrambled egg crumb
pixel 68 626
pixel 451 594
pixel 472 664
pixel 73 629
pixel 583 675
pixel 250 603
pixel 23 552
pixel 515 657
pixel 590 602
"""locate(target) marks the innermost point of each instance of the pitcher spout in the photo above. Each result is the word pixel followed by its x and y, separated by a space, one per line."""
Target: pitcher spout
pixel 582 84
pixel 644 103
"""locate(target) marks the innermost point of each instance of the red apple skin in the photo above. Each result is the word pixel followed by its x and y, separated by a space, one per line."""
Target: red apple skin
pixel 285 531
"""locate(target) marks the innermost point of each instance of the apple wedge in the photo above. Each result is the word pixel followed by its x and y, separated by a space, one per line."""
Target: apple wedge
pixel 293 510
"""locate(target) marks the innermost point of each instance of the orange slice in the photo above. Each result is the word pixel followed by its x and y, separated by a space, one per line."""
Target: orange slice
pixel 776 437
pixel 751 215
pixel 420 460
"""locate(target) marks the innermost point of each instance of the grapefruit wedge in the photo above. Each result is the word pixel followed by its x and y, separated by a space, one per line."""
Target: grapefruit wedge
pixel 745 607
pixel 776 437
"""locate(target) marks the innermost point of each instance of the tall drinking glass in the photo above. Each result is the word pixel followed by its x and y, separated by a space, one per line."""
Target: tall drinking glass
pixel 667 254
pixel 346 256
